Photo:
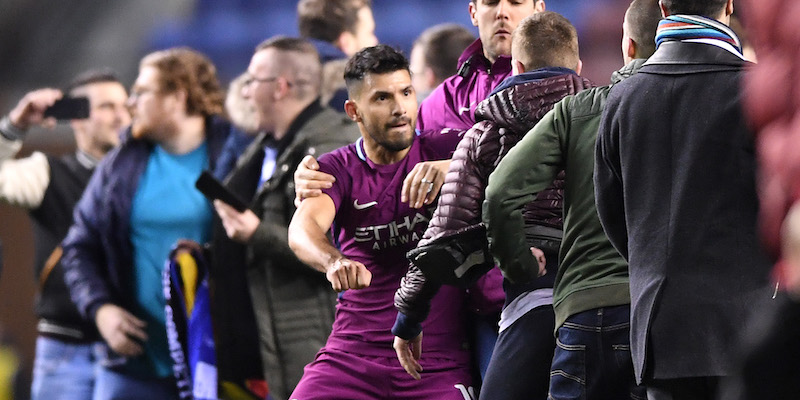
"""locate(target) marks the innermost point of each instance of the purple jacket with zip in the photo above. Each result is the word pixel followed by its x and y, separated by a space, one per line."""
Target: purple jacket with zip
pixel 452 104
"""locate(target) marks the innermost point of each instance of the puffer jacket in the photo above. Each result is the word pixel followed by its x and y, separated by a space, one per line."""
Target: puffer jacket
pixel 505 117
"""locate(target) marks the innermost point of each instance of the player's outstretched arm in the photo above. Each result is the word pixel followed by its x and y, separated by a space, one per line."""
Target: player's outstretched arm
pixel 308 241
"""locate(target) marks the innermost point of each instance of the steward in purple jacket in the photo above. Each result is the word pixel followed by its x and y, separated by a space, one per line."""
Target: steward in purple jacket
pixel 452 104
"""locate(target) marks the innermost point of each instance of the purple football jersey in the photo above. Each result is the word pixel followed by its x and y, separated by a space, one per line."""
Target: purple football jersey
pixel 373 227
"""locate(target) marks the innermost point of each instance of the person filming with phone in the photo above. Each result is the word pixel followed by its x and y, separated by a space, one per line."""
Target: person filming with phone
pixel 49 186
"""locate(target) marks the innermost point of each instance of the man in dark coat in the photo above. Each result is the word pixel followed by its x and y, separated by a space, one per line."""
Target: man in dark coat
pixel 293 304
pixel 675 189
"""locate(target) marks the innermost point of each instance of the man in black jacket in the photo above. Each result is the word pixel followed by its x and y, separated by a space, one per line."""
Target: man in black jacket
pixel 675 189
pixel 293 304
pixel 49 187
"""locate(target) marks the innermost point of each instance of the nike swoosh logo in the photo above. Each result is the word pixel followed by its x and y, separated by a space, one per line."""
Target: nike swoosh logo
pixel 363 206
pixel 462 110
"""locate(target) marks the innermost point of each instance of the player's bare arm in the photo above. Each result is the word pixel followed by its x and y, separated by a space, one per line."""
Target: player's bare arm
pixel 308 241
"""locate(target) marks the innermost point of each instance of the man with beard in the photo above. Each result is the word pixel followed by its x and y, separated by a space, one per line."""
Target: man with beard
pixel 482 66
pixel 139 202
pixel 374 229
pixel 49 187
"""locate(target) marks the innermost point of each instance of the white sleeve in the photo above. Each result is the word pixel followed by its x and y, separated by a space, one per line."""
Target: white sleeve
pixel 23 181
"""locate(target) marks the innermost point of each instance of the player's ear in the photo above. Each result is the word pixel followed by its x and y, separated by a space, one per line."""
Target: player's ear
pixel 351 108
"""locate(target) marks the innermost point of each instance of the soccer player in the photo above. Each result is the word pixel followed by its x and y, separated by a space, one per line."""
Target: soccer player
pixel 374 229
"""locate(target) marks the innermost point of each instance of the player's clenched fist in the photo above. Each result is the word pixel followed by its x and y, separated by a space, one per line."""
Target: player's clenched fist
pixel 348 274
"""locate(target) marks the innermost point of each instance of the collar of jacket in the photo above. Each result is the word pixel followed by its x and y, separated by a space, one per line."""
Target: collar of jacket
pixel 693 54
pixel 307 114
pixel 627 71
pixel 530 76
pixel 473 57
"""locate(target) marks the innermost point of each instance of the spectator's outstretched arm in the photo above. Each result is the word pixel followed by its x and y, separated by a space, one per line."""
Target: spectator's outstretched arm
pixel 23 181
pixel 308 240
pixel 309 181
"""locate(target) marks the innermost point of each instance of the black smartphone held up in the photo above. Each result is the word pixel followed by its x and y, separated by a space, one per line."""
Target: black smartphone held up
pixel 68 108
pixel 214 190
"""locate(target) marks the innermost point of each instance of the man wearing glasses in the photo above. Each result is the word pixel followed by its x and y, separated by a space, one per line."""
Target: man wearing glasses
pixel 293 303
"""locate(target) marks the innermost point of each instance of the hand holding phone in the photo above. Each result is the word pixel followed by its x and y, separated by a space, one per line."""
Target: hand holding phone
pixel 214 190
pixel 68 108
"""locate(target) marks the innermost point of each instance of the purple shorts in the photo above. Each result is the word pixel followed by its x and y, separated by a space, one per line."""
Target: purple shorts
pixel 337 374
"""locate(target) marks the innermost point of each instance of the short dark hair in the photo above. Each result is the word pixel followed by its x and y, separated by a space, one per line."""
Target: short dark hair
pixel 643 17
pixel 442 45
pixel 546 39
pixel 705 8
pixel 380 59
pixel 100 75
pixel 326 20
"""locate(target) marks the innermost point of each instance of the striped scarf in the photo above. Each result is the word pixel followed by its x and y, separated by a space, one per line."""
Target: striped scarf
pixel 697 29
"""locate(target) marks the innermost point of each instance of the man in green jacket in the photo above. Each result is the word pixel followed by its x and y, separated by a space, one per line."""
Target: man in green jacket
pixel 591 296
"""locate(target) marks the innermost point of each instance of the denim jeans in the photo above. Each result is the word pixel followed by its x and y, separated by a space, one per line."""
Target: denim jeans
pixel 593 357
pixel 63 370
pixel 118 386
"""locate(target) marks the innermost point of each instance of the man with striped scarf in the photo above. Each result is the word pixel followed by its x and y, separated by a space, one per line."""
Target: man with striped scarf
pixel 675 189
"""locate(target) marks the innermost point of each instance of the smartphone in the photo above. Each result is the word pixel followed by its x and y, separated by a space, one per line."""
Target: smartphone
pixel 214 190
pixel 68 108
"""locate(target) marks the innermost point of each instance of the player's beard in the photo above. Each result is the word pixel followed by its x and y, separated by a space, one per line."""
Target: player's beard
pixel 397 143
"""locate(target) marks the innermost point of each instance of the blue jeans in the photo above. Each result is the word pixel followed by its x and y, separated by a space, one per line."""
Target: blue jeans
pixel 118 386
pixel 63 370
pixel 593 357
